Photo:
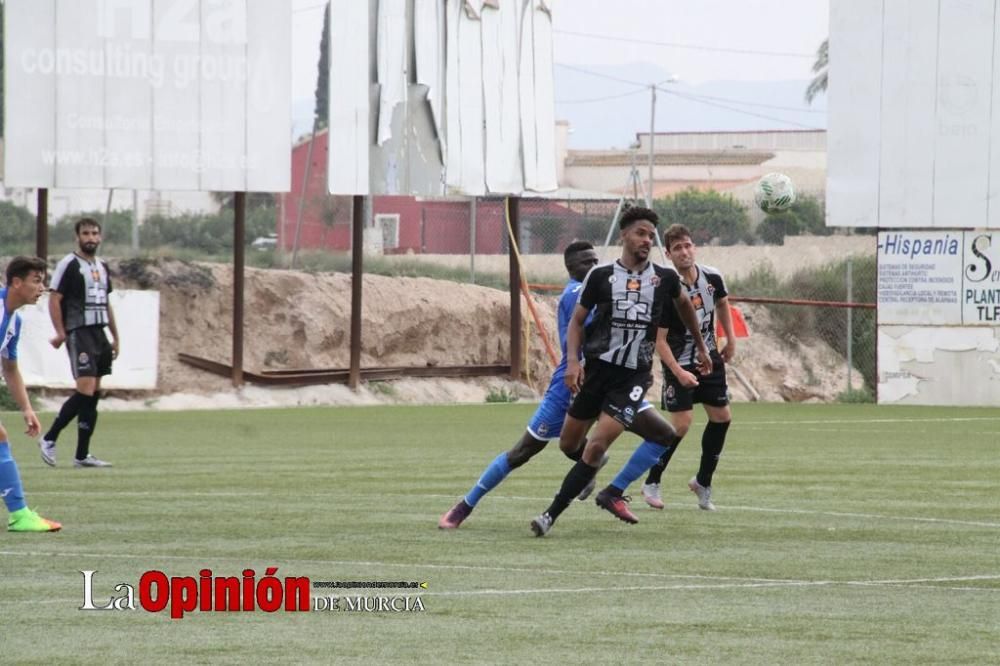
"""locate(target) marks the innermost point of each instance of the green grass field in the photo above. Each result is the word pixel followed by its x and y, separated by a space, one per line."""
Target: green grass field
pixel 845 534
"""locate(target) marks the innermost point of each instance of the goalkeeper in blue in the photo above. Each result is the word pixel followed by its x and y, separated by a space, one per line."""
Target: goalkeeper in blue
pixel 547 422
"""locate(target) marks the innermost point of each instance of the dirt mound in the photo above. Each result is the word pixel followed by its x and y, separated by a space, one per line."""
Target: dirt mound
pixel 300 320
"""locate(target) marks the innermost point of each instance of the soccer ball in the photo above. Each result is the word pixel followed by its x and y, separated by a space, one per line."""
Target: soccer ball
pixel 774 193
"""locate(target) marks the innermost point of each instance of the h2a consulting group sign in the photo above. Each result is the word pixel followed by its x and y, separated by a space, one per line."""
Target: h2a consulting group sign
pixel 137 94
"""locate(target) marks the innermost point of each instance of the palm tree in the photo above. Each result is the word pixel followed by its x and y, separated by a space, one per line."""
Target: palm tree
pixel 821 68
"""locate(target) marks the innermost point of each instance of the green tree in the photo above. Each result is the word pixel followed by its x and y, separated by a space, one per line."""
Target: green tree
pixel 17 229
pixel 806 216
pixel 821 68
pixel 709 216
pixel 323 76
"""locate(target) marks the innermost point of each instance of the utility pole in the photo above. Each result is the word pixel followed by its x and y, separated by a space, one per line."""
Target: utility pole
pixel 652 130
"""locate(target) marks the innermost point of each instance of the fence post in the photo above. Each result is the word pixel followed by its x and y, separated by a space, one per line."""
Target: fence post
pixel 850 320
pixel 472 240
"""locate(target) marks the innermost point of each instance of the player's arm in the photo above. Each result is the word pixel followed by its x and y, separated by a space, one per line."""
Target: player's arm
pixel 690 318
pixel 687 379
pixel 726 319
pixel 115 346
pixel 15 385
pixel 55 314
pixel 574 340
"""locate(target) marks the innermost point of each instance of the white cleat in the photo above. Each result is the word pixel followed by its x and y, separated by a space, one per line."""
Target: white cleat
pixel 90 461
pixel 704 494
pixel 48 450
pixel 541 525
pixel 651 493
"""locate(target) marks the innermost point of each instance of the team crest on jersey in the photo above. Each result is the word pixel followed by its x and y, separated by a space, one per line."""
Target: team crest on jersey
pixel 711 289
pixel 655 280
pixel 670 392
pixel 633 284
pixel 83 358
pixel 613 279
pixel 697 301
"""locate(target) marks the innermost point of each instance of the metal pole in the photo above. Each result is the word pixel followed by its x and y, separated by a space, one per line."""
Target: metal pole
pixel 472 240
pixel 850 313
pixel 135 219
pixel 300 208
pixel 358 220
pixel 239 256
pixel 652 131
pixel 42 224
pixel 515 292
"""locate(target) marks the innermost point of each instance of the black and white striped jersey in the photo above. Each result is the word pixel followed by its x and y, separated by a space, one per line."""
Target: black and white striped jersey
pixel 84 286
pixel 705 293
pixel 627 308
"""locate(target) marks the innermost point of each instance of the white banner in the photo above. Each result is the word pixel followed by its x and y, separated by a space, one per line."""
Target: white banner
pixel 151 95
pixel 137 315
pixel 939 278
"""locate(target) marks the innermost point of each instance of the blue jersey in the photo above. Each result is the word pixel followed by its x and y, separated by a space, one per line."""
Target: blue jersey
pixel 548 418
pixel 567 303
pixel 10 331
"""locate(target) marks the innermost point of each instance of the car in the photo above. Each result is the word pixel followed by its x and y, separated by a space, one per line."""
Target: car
pixel 262 243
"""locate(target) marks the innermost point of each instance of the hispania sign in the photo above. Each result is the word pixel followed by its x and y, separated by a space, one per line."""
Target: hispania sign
pixel 939 278
pixel 144 94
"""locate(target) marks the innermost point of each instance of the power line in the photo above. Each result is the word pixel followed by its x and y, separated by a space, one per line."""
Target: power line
pixel 603 76
pixel 760 104
pixel 704 99
pixel 677 45
pixel 698 100
pixel 601 99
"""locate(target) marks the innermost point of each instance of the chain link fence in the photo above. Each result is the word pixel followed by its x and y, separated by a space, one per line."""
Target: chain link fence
pixel 467 241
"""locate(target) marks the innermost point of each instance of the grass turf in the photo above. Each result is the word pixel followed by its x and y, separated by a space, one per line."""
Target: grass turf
pixel 845 534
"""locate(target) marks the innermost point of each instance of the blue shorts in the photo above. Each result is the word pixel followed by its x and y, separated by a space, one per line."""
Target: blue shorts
pixel 547 422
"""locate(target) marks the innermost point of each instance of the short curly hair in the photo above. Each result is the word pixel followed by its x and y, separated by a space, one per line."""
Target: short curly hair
pixel 633 214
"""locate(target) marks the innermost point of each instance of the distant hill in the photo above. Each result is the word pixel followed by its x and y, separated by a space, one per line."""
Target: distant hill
pixel 615 122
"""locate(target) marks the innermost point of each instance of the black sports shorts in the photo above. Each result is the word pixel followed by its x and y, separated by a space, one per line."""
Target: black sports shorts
pixel 612 389
pixel 89 352
pixel 712 389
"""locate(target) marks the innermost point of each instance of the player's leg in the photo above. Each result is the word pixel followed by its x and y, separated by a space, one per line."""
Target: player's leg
pixel 80 363
pixel 86 422
pixel 713 440
pixel 21 519
pixel 492 476
pixel 651 493
pixel 600 437
pixel 658 435
pixel 547 422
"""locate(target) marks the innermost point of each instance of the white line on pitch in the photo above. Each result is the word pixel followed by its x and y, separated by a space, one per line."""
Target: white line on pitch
pixel 840 514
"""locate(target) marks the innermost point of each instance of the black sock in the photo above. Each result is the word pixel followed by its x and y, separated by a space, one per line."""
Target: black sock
pixel 67 413
pixel 577 454
pixel 656 471
pixel 712 441
pixel 85 423
pixel 576 480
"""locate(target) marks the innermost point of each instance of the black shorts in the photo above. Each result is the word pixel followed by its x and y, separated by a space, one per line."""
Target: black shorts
pixel 612 389
pixel 711 390
pixel 89 352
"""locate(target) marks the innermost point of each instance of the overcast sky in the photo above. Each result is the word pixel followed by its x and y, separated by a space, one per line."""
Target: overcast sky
pixel 733 37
